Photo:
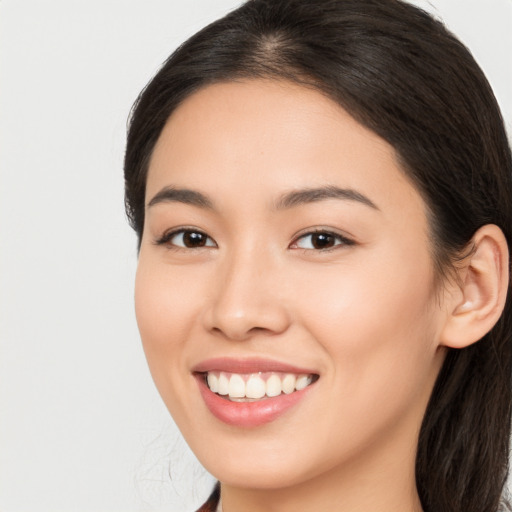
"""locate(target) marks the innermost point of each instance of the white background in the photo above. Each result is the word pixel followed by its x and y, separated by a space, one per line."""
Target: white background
pixel 81 425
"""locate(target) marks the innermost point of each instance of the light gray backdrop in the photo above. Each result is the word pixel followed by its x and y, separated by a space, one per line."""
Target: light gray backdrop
pixel 81 426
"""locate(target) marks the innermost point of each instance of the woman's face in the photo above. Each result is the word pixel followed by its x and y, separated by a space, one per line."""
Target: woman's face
pixel 283 247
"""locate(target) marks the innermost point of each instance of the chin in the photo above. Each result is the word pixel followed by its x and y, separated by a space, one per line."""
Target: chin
pixel 255 476
pixel 265 463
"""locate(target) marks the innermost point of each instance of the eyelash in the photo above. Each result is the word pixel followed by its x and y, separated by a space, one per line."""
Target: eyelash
pixel 166 238
pixel 340 240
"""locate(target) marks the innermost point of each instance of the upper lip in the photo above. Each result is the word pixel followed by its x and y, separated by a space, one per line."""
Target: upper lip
pixel 250 365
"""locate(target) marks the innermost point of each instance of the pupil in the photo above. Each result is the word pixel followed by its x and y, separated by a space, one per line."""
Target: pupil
pixel 322 240
pixel 193 239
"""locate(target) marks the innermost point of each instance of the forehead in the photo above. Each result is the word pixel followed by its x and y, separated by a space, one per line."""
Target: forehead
pixel 264 135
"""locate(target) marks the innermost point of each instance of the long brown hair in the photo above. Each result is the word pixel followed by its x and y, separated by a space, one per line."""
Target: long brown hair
pixel 400 73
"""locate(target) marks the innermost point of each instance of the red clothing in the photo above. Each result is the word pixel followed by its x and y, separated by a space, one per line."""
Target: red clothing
pixel 213 500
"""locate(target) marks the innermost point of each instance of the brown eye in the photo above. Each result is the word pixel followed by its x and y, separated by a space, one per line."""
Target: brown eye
pixel 187 239
pixel 321 240
pixel 194 239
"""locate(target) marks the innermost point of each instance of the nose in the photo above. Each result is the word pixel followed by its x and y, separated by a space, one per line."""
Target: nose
pixel 247 298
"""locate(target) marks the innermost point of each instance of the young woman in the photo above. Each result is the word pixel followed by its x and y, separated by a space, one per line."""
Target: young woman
pixel 322 195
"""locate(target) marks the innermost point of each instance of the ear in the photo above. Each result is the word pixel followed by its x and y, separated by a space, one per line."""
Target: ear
pixel 474 307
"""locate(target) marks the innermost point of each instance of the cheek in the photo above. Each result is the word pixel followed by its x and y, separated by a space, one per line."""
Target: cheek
pixel 166 301
pixel 370 295
pixel 378 327
pixel 164 306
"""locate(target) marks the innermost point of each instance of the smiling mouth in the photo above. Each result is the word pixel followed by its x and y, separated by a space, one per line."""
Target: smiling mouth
pixel 237 387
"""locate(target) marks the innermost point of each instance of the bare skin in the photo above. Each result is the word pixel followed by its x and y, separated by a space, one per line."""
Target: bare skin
pixel 343 284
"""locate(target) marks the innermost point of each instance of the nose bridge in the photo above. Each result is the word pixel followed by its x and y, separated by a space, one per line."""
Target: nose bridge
pixel 246 299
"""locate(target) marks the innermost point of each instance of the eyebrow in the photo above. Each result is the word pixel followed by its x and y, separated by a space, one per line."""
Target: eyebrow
pixel 312 195
pixel 286 201
pixel 181 195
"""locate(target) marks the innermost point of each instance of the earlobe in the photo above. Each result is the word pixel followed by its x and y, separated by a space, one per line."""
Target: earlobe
pixel 484 278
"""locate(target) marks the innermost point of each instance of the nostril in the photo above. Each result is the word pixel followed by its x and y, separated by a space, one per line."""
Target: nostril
pixel 239 333
pixel 258 329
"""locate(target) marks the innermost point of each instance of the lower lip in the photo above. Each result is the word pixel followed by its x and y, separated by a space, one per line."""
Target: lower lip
pixel 248 414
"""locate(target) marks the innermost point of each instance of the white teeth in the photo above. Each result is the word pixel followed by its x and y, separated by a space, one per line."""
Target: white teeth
pixel 257 385
pixel 223 384
pixel 289 383
pixel 303 381
pixel 213 382
pixel 274 387
pixel 236 386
